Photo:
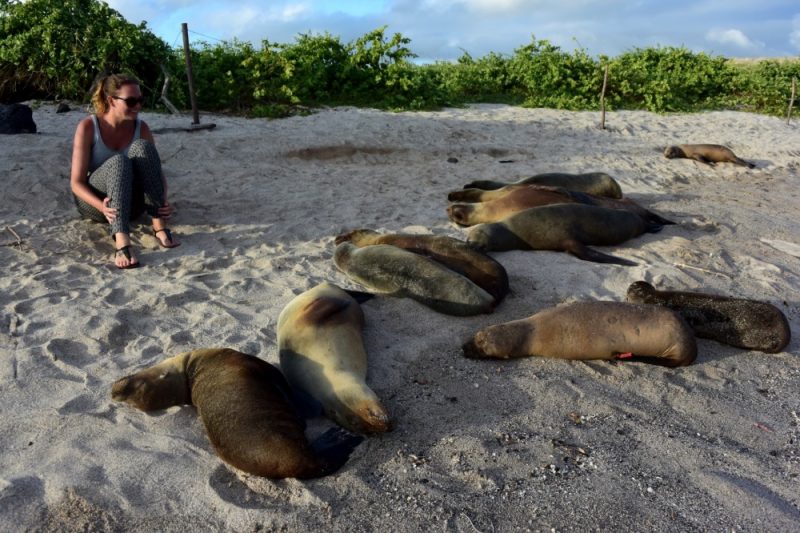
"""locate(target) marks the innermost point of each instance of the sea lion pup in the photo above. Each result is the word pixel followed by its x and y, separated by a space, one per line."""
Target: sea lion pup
pixel 322 355
pixel 598 183
pixel 738 322
pixel 706 153
pixel 563 227
pixel 591 330
pixel 387 269
pixel 456 255
pixel 245 405
pixel 528 196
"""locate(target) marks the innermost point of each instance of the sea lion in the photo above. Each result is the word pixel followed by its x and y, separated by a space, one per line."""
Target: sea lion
pixel 738 322
pixel 456 255
pixel 390 270
pixel 706 153
pixel 598 183
pixel 563 227
pixel 591 330
pixel 527 196
pixel 322 355
pixel 245 405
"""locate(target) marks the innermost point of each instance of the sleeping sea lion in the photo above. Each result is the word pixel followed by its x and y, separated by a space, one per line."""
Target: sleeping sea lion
pixel 563 227
pixel 527 196
pixel 245 405
pixel 738 322
pixel 390 270
pixel 456 255
pixel 591 330
pixel 322 355
pixel 598 183
pixel 706 153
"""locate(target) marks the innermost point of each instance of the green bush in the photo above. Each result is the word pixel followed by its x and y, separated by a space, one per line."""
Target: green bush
pixel 56 48
pixel 669 79
pixel 548 77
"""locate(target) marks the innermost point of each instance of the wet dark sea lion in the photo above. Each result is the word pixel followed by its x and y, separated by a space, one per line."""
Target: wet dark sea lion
pixel 598 183
pixel 706 153
pixel 245 405
pixel 563 227
pixel 525 197
pixel 456 255
pixel 397 272
pixel 322 355
pixel 738 322
pixel 591 330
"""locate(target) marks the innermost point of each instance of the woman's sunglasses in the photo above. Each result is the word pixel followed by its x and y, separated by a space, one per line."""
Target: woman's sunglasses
pixel 130 101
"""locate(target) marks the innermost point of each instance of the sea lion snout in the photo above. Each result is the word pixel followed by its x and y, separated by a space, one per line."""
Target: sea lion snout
pixel 640 292
pixel 459 213
pixel 671 152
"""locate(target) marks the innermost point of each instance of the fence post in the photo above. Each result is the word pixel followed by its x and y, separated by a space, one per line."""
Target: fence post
pixel 188 56
pixel 603 100
pixel 791 100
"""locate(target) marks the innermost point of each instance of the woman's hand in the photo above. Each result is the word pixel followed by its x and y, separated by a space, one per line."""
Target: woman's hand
pixel 109 212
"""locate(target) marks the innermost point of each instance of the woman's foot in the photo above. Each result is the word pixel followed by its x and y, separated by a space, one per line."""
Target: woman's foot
pixel 123 258
pixel 165 238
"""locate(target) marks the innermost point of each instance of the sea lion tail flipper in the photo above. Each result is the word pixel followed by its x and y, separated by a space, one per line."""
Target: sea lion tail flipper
pixel 652 226
pixel 334 447
pixel 658 219
pixel 360 296
pixel 581 251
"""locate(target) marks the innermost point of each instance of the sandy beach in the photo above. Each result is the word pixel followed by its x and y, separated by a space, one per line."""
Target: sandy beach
pixel 530 444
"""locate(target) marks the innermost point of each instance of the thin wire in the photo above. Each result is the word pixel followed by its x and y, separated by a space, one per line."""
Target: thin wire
pixel 206 36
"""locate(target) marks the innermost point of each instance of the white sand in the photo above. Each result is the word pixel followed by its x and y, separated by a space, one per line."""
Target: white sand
pixel 478 445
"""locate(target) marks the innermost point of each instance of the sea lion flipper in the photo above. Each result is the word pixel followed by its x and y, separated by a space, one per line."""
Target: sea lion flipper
pixel 306 405
pixel 581 251
pixel 334 447
pixel 360 296
pixel 325 307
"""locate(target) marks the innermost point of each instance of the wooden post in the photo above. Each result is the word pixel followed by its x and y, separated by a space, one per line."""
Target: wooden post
pixel 791 100
pixel 603 100
pixel 188 56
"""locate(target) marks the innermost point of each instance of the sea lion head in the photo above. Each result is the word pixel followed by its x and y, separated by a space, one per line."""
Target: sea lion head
pixel 460 213
pixel 640 292
pixel 153 389
pixel 359 237
pixel 673 151
pixel 494 237
pixel 501 341
pixel 360 410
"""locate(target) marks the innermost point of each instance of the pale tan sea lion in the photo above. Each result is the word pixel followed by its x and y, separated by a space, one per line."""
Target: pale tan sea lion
pixel 591 330
pixel 245 405
pixel 598 183
pixel 562 227
pixel 527 196
pixel 738 322
pixel 322 354
pixel 456 255
pixel 706 153
pixel 390 270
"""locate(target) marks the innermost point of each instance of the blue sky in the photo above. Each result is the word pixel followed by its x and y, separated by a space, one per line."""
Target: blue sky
pixel 444 29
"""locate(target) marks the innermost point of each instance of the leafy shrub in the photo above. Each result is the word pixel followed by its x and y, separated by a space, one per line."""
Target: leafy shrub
pixel 57 47
pixel 548 77
pixel 669 79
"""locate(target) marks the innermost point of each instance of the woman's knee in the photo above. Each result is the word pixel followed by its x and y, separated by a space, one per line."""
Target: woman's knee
pixel 142 148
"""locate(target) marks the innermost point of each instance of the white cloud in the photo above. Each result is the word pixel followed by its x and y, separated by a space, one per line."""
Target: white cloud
pixel 794 37
pixel 734 37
